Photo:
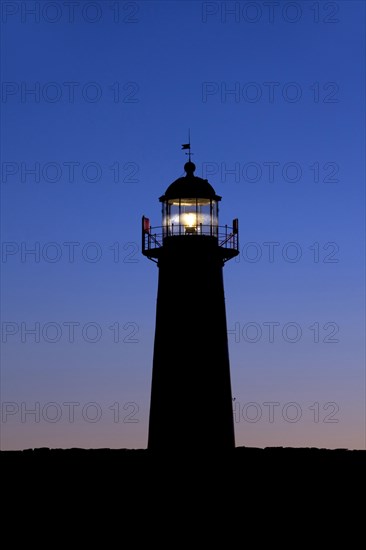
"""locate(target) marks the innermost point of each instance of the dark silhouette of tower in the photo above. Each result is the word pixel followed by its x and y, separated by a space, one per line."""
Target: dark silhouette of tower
pixel 191 403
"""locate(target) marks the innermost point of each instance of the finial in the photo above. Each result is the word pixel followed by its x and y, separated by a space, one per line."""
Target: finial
pixel 189 168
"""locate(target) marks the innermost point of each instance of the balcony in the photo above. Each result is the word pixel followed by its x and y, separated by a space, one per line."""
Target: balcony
pixel 227 238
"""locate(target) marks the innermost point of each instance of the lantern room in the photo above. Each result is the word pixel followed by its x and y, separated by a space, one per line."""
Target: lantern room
pixel 190 210
pixel 190 206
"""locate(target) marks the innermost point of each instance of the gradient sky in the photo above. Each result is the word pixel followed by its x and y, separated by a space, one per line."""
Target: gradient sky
pixel 275 93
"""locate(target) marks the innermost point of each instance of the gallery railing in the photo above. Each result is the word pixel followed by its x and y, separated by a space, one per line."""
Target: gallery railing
pixel 226 236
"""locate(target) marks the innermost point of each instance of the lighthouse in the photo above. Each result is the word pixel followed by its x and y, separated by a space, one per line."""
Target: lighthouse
pixel 191 401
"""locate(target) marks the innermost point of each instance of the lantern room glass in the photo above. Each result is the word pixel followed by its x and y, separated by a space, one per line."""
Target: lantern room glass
pixel 190 216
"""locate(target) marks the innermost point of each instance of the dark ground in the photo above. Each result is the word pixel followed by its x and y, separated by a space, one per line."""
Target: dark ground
pixel 141 458
pixel 130 486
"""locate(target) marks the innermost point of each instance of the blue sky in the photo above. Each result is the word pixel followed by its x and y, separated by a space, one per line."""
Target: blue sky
pixel 279 100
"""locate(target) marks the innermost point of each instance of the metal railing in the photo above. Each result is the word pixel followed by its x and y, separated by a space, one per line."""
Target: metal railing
pixel 225 235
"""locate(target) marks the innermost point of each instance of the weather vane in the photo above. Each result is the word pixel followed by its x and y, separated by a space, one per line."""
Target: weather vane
pixel 188 145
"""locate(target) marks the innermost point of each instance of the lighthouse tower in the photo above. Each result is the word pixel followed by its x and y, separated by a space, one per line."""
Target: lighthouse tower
pixel 191 402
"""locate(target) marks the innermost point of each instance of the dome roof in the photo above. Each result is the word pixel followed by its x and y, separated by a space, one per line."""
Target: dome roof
pixel 190 186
